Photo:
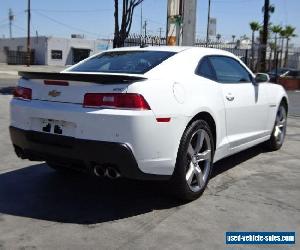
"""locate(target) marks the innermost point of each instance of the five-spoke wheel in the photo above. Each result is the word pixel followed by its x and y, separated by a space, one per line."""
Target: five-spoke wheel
pixel 194 161
pixel 279 131
pixel 199 155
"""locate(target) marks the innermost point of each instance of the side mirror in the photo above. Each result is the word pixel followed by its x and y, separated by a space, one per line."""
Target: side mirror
pixel 261 77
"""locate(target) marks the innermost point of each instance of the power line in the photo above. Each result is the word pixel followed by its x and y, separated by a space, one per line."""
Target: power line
pixel 19 27
pixel 66 25
pixel 7 18
pixel 73 11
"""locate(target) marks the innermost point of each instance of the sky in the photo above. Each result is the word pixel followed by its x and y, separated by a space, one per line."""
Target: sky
pixel 94 18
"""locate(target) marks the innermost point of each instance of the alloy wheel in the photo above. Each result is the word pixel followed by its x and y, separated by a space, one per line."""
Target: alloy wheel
pixel 280 125
pixel 199 160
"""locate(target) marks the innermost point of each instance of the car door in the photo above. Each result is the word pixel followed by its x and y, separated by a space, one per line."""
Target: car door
pixel 246 105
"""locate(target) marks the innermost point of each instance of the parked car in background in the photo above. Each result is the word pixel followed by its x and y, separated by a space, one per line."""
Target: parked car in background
pixel 158 113
pixel 293 74
pixel 281 72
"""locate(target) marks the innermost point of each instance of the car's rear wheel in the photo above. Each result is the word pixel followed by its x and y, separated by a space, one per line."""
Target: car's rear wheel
pixel 194 161
pixel 278 134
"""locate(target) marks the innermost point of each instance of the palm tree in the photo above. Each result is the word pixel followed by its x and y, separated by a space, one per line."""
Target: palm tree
pixel 272 48
pixel 271 9
pixel 233 37
pixel 289 32
pixel 282 36
pixel 218 37
pixel 267 9
pixel 255 26
pixel 276 29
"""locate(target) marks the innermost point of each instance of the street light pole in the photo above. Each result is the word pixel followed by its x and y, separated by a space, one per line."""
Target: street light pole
pixel 28 34
pixel 207 28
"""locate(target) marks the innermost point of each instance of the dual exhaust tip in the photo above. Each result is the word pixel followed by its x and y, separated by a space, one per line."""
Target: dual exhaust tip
pixel 109 172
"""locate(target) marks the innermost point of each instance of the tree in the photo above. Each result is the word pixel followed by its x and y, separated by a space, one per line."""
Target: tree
pixel 282 36
pixel 255 26
pixel 218 37
pixel 267 10
pixel 289 32
pixel 233 38
pixel 276 29
pixel 272 48
pixel 122 32
pixel 271 9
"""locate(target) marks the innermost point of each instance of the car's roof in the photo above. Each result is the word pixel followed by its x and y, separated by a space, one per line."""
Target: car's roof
pixel 175 49
pixel 153 48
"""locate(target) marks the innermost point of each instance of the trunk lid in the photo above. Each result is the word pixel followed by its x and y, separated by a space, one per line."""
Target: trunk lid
pixel 71 87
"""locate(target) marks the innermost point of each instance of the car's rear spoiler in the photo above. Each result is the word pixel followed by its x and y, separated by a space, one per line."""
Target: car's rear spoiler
pixel 82 77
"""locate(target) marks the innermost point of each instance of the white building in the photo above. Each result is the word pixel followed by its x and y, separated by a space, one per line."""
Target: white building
pixel 51 50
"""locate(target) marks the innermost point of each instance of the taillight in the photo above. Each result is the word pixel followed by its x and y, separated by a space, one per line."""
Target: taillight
pixel 110 100
pixel 22 93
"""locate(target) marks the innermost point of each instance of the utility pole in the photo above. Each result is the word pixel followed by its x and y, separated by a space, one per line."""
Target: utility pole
pixel 145 28
pixel 28 34
pixel 11 18
pixel 208 21
pixel 265 35
pixel 181 22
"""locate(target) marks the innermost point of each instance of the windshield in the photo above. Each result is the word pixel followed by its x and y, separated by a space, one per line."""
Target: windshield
pixel 130 62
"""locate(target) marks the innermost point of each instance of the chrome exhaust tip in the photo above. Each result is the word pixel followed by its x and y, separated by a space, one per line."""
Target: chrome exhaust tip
pixel 112 173
pixel 99 171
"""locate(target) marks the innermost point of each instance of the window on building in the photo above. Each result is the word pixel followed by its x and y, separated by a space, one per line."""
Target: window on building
pixel 19 48
pixel 56 54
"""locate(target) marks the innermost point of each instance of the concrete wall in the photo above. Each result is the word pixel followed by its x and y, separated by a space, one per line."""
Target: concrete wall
pixel 67 45
pixel 39 45
pixel 44 45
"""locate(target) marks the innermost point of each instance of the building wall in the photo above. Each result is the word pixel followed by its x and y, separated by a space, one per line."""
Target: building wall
pixel 43 47
pixel 66 45
pixel 39 45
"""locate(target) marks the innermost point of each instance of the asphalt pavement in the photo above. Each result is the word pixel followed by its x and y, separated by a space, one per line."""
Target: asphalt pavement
pixel 254 190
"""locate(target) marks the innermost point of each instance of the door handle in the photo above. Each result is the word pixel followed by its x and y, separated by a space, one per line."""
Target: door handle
pixel 230 98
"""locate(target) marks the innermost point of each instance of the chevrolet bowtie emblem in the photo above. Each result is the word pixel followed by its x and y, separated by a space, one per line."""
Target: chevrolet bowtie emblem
pixel 54 93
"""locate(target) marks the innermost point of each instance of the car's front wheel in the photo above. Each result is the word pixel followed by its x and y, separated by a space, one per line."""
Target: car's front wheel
pixel 194 161
pixel 278 134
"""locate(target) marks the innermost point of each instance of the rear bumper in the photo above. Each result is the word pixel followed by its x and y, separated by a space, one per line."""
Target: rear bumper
pixel 34 145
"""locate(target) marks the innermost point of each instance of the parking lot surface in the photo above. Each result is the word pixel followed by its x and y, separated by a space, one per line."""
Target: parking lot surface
pixel 42 209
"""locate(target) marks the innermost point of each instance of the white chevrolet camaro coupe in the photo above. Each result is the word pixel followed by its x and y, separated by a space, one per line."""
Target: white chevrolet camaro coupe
pixel 149 113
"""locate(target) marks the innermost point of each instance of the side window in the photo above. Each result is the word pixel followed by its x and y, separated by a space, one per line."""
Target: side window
pixel 229 70
pixel 205 69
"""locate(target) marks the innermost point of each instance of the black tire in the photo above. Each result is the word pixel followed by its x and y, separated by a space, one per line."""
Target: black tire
pixel 275 142
pixel 182 189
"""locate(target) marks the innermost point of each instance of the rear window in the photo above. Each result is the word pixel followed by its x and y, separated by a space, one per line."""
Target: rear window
pixel 131 62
